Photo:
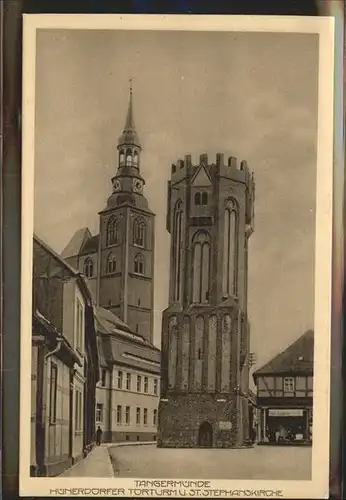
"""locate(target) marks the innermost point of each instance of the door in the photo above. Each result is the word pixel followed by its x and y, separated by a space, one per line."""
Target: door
pixel 205 435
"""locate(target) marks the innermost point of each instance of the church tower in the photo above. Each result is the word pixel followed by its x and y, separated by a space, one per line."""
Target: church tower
pixel 126 243
pixel 205 329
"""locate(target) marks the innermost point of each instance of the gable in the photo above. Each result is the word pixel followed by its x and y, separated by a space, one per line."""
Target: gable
pixel 201 178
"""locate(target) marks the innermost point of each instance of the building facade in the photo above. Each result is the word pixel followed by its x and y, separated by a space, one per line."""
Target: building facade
pixel 119 261
pixel 65 366
pixel 285 395
pixel 205 329
pixel 127 394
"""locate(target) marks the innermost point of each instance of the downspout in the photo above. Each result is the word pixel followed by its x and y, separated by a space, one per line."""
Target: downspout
pixel 45 401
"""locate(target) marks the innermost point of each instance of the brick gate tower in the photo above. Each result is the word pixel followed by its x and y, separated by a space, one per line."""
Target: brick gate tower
pixel 205 329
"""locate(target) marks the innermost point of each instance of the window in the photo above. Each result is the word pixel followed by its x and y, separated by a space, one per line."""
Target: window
pixel 139 264
pixel 201 259
pixel 138 415
pixel 127 414
pixel 128 381
pixel 129 158
pixel 119 414
pixel 156 384
pixel 53 392
pixel 204 199
pixel 99 412
pixel 145 416
pixel 103 377
pixel 177 248
pixel 79 325
pixel 120 380
pixel 230 246
pixel 146 384
pixel 127 437
pixel 139 230
pixel 139 383
pixel 154 417
pixel 288 384
pixel 78 410
pixel 111 264
pixel 88 268
pixel 135 159
pixel 201 198
pixel 121 157
pixel 112 231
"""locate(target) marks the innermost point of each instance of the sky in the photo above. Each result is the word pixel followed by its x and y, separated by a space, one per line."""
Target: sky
pixel 249 95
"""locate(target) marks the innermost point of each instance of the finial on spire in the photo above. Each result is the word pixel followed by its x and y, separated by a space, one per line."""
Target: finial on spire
pixel 130 82
pixel 129 135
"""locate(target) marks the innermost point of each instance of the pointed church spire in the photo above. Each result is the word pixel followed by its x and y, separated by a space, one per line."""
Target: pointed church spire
pixel 129 135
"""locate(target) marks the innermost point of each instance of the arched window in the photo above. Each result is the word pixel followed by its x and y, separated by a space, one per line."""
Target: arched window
pixel 139 230
pixel 135 159
pixel 111 264
pixel 129 158
pixel 204 199
pixel 121 157
pixel 88 268
pixel 197 198
pixel 139 264
pixel 230 249
pixel 112 231
pixel 201 263
pixel 177 243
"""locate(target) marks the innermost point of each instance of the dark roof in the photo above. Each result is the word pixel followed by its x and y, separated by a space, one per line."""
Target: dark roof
pixel 91 245
pixel 297 358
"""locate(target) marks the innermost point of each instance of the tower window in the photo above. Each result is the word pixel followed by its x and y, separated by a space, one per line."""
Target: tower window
pixel 201 262
pixel 201 198
pixel 88 268
pixel 135 159
pixel 199 353
pixel 112 231
pixel 128 158
pixel 139 232
pixel 177 247
pixel 204 198
pixel 230 247
pixel 139 264
pixel 111 264
pixel 121 157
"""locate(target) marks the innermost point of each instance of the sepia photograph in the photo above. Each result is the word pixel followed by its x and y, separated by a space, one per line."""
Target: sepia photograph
pixel 177 222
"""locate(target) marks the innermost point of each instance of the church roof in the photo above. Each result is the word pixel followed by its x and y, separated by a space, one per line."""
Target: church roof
pixel 129 135
pixel 91 245
pixel 76 243
pixel 297 358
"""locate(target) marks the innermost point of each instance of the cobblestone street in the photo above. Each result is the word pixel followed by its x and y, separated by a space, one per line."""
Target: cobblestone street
pixel 261 462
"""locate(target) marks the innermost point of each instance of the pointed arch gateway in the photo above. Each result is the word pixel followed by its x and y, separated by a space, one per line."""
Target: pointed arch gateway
pixel 205 435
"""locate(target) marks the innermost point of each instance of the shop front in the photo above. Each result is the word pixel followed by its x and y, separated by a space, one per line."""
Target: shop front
pixel 286 425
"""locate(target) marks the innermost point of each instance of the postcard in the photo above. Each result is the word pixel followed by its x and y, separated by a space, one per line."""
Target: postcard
pixel 176 256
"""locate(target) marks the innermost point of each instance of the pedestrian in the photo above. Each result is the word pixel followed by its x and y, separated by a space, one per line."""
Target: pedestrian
pixel 98 436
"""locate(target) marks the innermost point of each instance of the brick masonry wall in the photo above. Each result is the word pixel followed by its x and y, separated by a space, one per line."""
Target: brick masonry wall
pixel 182 415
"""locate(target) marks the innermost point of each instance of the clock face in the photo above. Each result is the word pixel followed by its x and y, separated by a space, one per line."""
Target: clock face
pixel 117 186
pixel 137 186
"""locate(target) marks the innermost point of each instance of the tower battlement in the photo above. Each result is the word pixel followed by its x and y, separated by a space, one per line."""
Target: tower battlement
pixel 231 167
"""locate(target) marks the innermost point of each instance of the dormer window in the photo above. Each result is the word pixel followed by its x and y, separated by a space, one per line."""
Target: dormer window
pixel 204 199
